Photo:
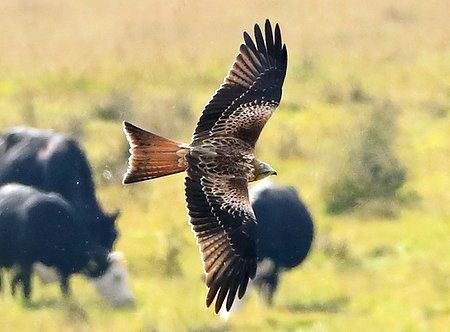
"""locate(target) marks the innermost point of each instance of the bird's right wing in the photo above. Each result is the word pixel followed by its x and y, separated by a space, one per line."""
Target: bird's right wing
pixel 224 225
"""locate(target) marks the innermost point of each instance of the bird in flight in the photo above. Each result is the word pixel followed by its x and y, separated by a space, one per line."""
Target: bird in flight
pixel 220 162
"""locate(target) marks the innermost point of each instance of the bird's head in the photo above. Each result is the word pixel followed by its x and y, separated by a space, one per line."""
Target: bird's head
pixel 264 170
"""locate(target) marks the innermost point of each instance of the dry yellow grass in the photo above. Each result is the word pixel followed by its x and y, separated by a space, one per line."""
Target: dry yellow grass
pixel 61 61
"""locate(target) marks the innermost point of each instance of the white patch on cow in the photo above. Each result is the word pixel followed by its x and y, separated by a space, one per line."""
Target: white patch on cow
pixel 113 285
pixel 265 267
pixel 256 189
pixel 46 274
pixel 237 306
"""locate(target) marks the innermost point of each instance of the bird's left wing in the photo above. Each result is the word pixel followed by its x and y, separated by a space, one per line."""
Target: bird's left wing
pixel 251 91
pixel 224 225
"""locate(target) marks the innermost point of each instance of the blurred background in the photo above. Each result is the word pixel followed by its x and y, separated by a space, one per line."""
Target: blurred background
pixel 362 133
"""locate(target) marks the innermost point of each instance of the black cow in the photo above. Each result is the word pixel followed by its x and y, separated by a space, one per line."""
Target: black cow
pixel 284 234
pixel 39 227
pixel 53 162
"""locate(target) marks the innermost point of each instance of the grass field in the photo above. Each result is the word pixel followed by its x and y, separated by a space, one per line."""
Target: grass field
pixel 82 67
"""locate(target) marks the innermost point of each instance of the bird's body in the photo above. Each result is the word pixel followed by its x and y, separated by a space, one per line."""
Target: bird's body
pixel 220 162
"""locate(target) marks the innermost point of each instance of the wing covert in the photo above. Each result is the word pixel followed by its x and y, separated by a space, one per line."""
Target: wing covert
pixel 254 80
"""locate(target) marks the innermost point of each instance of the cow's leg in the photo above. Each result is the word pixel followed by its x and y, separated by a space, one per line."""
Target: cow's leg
pixel 26 282
pixel 64 285
pixel 15 280
pixel 22 275
pixel 267 287
pixel 270 293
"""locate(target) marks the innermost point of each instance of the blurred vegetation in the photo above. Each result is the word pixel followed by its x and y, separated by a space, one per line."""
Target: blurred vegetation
pixel 372 174
pixel 364 120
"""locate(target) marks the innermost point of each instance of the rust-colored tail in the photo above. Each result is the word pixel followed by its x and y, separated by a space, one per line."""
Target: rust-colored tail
pixel 152 156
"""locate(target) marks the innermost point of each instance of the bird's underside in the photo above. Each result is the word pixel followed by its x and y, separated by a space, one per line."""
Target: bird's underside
pixel 220 162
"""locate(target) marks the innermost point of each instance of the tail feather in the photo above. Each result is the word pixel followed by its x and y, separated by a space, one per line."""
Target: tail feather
pixel 152 156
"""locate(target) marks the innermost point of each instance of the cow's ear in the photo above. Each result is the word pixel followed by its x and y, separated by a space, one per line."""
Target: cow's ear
pixel 115 215
pixel 116 257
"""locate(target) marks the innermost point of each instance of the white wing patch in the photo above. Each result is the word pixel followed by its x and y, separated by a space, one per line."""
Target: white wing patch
pixel 230 194
pixel 249 116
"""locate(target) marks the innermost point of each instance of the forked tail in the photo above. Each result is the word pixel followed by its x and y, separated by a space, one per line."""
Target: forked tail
pixel 152 156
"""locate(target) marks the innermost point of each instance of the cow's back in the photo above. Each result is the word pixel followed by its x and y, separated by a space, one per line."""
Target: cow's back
pixel 38 226
pixel 54 162
pixel 49 161
pixel 285 228
pixel 11 223
pixel 20 149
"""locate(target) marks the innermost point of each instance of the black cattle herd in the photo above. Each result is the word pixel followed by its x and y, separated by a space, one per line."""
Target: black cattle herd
pixel 36 226
pixel 54 162
pixel 49 214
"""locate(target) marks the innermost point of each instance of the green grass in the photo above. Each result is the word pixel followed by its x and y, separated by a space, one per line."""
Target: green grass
pixel 63 63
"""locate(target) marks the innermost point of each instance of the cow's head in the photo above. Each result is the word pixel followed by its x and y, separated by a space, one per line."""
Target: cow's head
pixel 97 262
pixel 104 229
pixel 113 285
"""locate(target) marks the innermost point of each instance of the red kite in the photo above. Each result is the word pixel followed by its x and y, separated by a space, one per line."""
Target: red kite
pixel 220 162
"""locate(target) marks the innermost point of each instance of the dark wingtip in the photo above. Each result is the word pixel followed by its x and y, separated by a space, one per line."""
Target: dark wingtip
pixel 270 44
pixel 127 179
pixel 267 25
pixel 218 306
pixel 126 124
pixel 285 56
pixel 259 38
pixel 127 127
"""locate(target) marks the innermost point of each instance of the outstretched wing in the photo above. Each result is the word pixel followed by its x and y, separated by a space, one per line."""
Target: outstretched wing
pixel 224 225
pixel 251 91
